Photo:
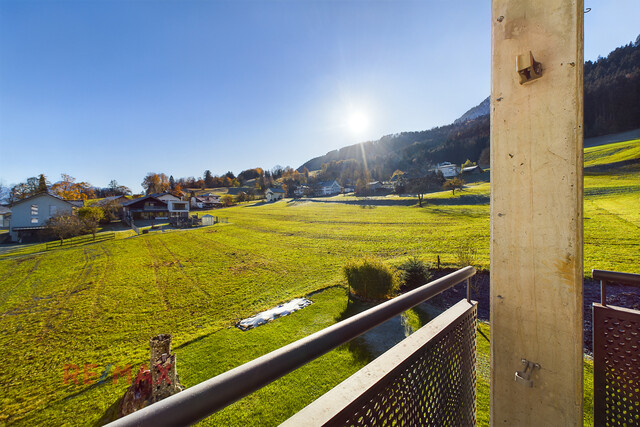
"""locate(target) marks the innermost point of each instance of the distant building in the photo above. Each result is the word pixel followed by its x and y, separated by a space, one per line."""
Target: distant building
pixel 5 216
pixel 448 170
pixel 209 201
pixel 328 188
pixel 150 207
pixel 472 170
pixel 302 190
pixel 374 186
pixel 208 220
pixel 30 215
pixel 273 194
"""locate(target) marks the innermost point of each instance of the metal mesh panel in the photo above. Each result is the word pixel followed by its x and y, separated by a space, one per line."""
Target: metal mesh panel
pixel 616 376
pixel 434 386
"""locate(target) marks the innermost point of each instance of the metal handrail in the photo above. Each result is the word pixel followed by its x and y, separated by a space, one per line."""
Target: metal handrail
pixel 202 400
pixel 606 277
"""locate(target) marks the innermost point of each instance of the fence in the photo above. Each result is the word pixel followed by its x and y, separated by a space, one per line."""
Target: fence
pixel 80 241
pixel 434 382
pixel 616 356
pixel 134 228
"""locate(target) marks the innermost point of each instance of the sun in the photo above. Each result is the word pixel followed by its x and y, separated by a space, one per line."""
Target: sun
pixel 358 122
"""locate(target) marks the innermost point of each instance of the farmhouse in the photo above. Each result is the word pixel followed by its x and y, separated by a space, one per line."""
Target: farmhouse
pixel 273 194
pixel 206 201
pixel 150 207
pixel 5 216
pixel 448 170
pixel 327 188
pixel 30 215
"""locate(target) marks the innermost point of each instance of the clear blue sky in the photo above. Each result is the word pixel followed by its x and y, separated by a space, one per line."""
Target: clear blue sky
pixel 107 90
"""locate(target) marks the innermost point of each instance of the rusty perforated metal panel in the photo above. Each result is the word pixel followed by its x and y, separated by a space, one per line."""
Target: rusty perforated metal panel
pixel 616 366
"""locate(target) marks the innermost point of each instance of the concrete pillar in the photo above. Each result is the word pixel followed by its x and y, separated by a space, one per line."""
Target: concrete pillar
pixel 536 212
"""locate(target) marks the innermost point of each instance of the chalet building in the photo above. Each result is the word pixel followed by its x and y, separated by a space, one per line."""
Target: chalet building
pixel 208 201
pixel 328 188
pixel 149 207
pixel 273 194
pixel 30 215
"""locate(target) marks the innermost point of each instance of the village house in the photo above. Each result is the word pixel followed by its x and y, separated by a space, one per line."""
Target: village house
pixel 449 170
pixel 374 186
pixel 206 201
pixel 302 190
pixel 5 216
pixel 273 194
pixel 472 170
pixel 152 208
pixel 30 215
pixel 328 188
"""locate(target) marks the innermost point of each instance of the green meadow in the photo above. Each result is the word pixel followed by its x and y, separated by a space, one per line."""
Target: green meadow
pixel 95 307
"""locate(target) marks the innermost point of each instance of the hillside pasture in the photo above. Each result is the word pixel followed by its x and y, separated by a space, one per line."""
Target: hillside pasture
pixel 96 306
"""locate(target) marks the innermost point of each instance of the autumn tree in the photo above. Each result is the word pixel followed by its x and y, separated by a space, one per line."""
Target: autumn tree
pixel 155 183
pixel 425 184
pixel 69 189
pixel 453 184
pixel 115 189
pixel 63 226
pixel 227 200
pixel 90 217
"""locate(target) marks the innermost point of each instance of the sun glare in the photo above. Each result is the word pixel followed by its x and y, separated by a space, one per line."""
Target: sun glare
pixel 358 122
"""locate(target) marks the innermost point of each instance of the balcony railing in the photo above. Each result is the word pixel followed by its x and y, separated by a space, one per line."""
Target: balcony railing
pixel 426 379
pixel 616 356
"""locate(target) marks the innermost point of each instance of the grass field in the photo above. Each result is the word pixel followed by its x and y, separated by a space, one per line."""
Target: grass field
pixel 99 304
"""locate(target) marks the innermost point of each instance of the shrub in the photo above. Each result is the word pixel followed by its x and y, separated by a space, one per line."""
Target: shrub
pixel 414 273
pixel 370 278
pixel 467 253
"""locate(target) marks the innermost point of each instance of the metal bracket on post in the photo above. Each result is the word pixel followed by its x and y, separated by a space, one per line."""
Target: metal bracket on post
pixel 524 376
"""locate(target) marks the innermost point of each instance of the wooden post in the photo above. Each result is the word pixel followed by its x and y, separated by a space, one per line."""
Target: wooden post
pixel 536 212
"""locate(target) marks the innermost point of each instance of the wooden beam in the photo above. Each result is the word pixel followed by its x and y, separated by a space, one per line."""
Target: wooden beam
pixel 536 212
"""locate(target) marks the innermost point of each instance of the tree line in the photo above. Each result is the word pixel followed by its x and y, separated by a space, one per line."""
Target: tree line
pixel 67 188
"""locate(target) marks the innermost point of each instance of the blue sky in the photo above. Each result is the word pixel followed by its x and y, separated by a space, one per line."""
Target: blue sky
pixel 107 90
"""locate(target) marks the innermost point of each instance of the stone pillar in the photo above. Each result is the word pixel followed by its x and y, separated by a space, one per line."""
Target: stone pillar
pixel 536 212
pixel 163 368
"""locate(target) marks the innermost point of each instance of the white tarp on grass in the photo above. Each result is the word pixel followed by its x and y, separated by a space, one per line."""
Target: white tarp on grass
pixel 274 313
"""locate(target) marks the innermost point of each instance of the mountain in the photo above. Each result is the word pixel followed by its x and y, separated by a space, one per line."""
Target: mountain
pixel 611 105
pixel 481 109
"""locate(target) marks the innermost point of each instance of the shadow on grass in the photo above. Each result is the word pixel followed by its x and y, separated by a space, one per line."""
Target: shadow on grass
pixel 369 202
pixel 465 199
pixel 111 414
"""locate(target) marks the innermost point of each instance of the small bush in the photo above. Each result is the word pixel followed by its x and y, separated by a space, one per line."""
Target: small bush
pixel 371 278
pixel 467 253
pixel 414 273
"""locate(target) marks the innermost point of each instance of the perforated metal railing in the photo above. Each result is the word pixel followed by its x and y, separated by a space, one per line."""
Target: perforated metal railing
pixel 426 379
pixel 616 357
pixel 429 379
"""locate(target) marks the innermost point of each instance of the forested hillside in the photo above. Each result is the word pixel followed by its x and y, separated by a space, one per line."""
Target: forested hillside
pixel 612 104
